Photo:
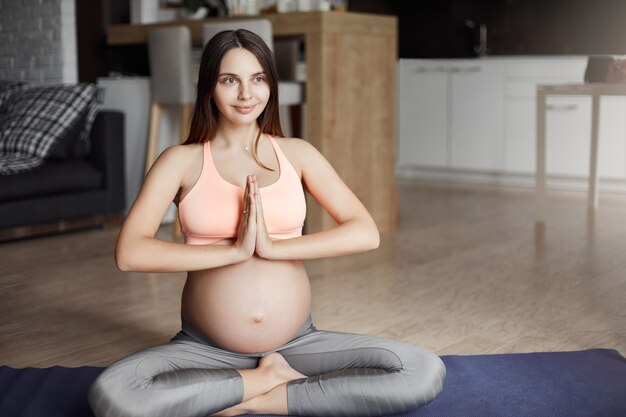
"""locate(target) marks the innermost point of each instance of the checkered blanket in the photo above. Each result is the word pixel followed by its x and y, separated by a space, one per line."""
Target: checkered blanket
pixel 33 119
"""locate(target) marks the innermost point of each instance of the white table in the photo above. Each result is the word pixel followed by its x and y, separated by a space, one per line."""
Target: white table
pixel 595 91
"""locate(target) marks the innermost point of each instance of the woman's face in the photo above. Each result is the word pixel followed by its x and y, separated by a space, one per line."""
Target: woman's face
pixel 242 91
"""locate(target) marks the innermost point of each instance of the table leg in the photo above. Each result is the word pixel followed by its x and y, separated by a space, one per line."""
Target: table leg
pixel 593 155
pixel 540 187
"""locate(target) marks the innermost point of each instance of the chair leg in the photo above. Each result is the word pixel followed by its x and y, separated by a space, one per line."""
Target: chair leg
pixel 153 136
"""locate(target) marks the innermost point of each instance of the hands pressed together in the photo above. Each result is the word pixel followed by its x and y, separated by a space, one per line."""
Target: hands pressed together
pixel 252 236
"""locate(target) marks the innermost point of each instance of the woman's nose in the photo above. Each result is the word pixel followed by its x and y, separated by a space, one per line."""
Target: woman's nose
pixel 244 92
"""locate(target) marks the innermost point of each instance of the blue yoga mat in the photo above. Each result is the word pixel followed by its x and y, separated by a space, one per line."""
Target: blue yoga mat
pixel 589 383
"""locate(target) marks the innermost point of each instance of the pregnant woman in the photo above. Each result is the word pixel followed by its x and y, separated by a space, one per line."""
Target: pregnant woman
pixel 247 343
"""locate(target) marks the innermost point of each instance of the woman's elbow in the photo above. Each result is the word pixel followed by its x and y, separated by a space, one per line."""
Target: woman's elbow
pixel 125 258
pixel 374 240
pixel 122 261
pixel 371 239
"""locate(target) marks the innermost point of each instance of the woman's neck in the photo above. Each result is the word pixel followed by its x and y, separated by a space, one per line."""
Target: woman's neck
pixel 237 136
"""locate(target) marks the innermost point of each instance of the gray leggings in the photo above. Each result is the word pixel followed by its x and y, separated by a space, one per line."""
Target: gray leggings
pixel 348 375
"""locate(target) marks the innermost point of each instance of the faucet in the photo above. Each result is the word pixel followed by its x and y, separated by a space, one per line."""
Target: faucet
pixel 479 49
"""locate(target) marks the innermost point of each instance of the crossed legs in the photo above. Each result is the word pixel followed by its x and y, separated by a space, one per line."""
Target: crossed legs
pixel 346 375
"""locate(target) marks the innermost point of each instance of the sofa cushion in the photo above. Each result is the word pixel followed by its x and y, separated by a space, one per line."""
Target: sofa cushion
pixel 69 145
pixel 37 118
pixel 7 88
pixel 51 178
pixel 65 146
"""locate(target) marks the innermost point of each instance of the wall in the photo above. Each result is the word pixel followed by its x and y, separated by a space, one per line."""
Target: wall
pixel 38 41
pixel 92 19
pixel 438 29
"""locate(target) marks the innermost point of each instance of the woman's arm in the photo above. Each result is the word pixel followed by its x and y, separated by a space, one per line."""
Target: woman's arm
pixel 137 248
pixel 355 230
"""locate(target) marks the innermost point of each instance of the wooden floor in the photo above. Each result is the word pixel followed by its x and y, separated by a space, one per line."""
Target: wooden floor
pixel 466 273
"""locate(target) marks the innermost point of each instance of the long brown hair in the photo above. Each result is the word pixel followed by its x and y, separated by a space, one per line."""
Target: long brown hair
pixel 205 114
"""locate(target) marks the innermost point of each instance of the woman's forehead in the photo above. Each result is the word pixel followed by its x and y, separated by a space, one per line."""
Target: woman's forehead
pixel 240 61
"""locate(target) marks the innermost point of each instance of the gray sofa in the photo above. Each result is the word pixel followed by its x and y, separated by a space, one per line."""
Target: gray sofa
pixel 68 193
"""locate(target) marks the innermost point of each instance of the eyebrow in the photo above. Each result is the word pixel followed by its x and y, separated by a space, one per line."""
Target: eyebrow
pixel 235 75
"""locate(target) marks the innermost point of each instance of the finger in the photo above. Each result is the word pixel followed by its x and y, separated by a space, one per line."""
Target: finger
pixel 249 197
pixel 259 206
pixel 249 194
pixel 250 189
pixel 252 216
pixel 246 196
pixel 253 206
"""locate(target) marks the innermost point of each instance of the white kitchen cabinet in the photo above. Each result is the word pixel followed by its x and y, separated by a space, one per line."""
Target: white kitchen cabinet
pixel 568 124
pixel 450 114
pixel 519 135
pixel 568 136
pixel 476 114
pixel 475 120
pixel 612 138
pixel 522 75
pixel 568 128
pixel 423 113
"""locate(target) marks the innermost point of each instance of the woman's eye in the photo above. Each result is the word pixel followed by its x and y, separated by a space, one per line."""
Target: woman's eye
pixel 259 79
pixel 229 80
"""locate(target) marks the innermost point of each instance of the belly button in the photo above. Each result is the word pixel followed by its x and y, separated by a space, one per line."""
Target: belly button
pixel 257 318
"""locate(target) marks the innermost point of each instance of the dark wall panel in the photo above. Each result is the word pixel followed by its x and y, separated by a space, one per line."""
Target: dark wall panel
pixel 92 19
pixel 439 28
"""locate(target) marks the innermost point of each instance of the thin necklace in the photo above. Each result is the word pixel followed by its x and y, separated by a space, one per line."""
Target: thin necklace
pixel 246 147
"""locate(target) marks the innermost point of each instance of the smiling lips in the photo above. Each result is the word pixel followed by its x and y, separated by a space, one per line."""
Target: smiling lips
pixel 245 109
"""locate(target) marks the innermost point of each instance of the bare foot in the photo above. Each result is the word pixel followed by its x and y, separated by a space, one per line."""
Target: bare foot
pixel 266 387
pixel 279 368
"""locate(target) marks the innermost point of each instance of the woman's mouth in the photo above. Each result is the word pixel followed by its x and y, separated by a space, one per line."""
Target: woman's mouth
pixel 244 109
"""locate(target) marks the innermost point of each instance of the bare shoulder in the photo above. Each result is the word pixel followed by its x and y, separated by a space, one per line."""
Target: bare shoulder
pixel 291 143
pixel 174 170
pixel 180 157
pixel 182 152
pixel 298 151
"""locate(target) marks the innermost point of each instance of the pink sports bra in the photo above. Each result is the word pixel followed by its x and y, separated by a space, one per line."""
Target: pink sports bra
pixel 211 210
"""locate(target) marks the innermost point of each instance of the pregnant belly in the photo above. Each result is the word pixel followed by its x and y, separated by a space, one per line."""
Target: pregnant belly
pixel 253 306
